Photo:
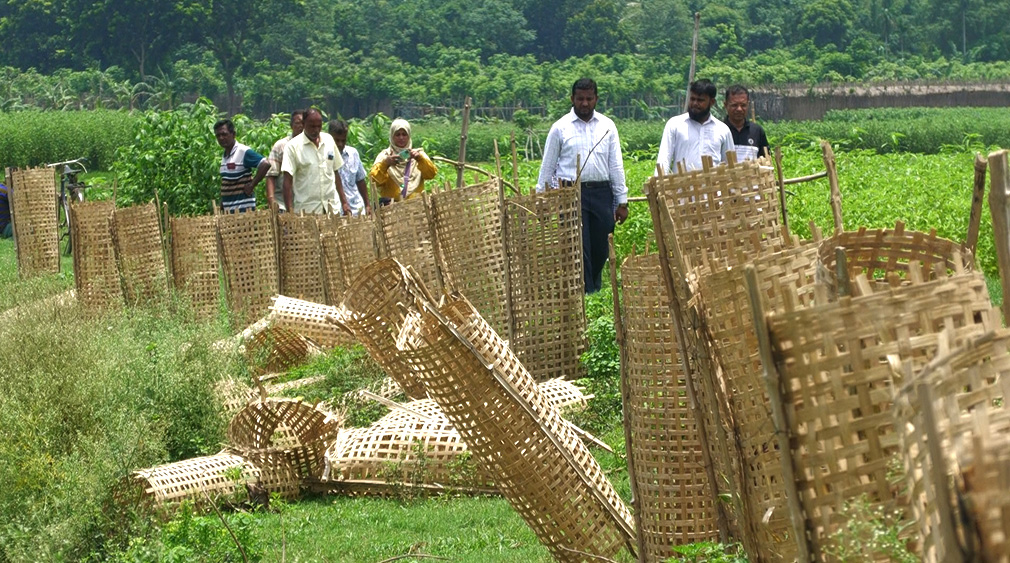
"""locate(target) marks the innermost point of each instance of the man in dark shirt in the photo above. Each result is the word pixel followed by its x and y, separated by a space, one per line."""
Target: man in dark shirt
pixel 749 137
pixel 6 229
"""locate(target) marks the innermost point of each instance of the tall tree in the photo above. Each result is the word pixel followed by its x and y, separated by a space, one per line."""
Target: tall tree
pixel 34 35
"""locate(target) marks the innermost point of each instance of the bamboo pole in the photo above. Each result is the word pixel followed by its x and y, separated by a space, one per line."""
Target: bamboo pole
pixel 504 237
pixel 836 194
pixel 782 186
pixel 636 496
pixel 515 166
pixel 694 58
pixel 938 475
pixel 977 194
pixel 462 143
pixel 999 207
pixel 801 179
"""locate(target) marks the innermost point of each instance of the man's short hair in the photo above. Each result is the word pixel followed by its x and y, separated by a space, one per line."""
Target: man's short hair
pixel 337 127
pixel 296 113
pixel 225 123
pixel 737 89
pixel 309 111
pixel 704 86
pixel 584 84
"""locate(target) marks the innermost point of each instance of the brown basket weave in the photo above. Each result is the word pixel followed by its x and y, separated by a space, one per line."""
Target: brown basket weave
pixel 544 252
pixel 677 500
pixel 33 217
pixel 96 278
pixel 140 252
pixel 969 386
pixel 195 262
pixel 837 382
pixel 467 224
pixel 209 476
pixel 348 248
pixel 284 433
pixel 405 234
pixel 984 491
pixel 276 349
pixel 308 319
pixel 518 437
pixel 249 260
pixel 375 310
pixel 300 257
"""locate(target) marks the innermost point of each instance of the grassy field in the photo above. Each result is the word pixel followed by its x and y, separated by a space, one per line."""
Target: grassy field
pixel 85 399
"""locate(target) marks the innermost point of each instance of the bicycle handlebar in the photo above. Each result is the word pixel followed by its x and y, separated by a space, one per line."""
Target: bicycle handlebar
pixel 80 161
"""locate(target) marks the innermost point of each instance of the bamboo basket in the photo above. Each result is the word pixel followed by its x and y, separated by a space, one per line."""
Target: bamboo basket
pixel 140 252
pixel 837 386
pixel 675 494
pixel 353 248
pixel 301 257
pixel 195 262
pixel 545 268
pixel 309 320
pixel 276 349
pixel 405 234
pixel 248 250
pixel 984 490
pixel 96 277
pixel 468 227
pixel 33 218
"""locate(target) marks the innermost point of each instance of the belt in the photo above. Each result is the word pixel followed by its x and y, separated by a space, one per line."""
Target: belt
pixel 586 185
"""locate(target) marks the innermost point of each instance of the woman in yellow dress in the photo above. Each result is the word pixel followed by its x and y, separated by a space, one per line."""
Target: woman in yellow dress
pixel 399 171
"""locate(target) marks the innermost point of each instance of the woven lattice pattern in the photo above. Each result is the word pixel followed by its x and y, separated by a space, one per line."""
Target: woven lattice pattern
pixel 96 277
pixel 405 229
pixel 547 284
pixel 192 479
pixel 195 262
pixel 276 349
pixel 837 385
pixel 140 252
pixel 33 214
pixel 969 385
pixel 301 257
pixel 727 212
pixel 283 434
pixel 883 256
pixel 376 309
pixel 353 248
pixel 984 489
pixel 309 320
pixel 536 459
pixel 249 260
pixel 468 227
pixel 676 497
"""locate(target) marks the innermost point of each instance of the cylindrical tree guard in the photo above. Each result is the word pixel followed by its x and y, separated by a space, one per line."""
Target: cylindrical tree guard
pixel 349 247
pixel 405 230
pixel 33 215
pixel 544 253
pixel 308 320
pixel 140 252
pixel 195 262
pixel 301 257
pixel 96 277
pixel 249 260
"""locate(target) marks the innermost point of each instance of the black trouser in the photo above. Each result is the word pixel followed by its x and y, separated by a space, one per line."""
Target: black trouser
pixel 597 224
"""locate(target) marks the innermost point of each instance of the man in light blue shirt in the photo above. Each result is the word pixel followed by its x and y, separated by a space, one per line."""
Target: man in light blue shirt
pixel 352 173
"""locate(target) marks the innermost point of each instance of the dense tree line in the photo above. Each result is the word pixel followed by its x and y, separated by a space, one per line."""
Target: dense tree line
pixel 256 56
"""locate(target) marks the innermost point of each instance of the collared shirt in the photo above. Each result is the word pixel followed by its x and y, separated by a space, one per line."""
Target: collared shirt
pixel 351 173
pixel 237 169
pixel 275 159
pixel 313 173
pixel 685 140
pixel 750 140
pixel 571 138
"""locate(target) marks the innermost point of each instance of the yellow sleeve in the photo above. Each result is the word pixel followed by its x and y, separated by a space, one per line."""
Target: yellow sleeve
pixel 426 166
pixel 380 179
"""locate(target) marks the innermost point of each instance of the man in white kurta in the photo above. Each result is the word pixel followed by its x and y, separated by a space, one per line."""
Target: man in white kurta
pixel 689 136
pixel 311 161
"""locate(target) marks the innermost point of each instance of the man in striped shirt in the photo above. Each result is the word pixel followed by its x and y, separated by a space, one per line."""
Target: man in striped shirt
pixel 238 183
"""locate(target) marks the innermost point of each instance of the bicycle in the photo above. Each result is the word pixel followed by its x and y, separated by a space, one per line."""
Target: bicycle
pixel 70 190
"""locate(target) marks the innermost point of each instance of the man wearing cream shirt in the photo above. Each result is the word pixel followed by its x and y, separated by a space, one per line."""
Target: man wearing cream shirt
pixel 311 161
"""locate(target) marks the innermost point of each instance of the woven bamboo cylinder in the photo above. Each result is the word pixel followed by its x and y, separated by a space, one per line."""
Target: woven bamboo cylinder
pixel 544 252
pixel 536 459
pixel 308 320
pixel 969 385
pixel 405 234
pixel 677 499
pixel 96 277
pixel 195 262
pixel 467 222
pixel 33 218
pixel 376 309
pixel 249 260
pixel 349 248
pixel 140 252
pixel 984 490
pixel 277 349
pixel 838 381
pixel 300 257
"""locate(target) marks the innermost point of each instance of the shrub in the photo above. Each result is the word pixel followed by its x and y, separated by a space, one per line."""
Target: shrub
pixel 34 138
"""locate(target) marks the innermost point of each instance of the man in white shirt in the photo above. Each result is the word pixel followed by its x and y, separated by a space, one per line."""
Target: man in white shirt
pixel 352 173
pixel 311 161
pixel 591 139
pixel 689 136
pixel 275 182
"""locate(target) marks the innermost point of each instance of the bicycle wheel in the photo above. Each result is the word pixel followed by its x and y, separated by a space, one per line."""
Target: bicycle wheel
pixel 65 204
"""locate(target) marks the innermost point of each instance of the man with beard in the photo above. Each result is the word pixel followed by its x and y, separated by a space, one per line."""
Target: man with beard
pixel 689 136
pixel 749 137
pixel 311 161
pixel 590 139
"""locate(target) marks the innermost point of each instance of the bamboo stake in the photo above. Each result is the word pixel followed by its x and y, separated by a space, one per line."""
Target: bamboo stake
pixel 782 186
pixel 773 384
pixel 978 192
pixel 801 179
pixel 435 247
pixel 836 195
pixel 636 497
pixel 948 536
pixel 694 58
pixel 999 208
pixel 504 237
pixel 515 165
pixel 462 142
